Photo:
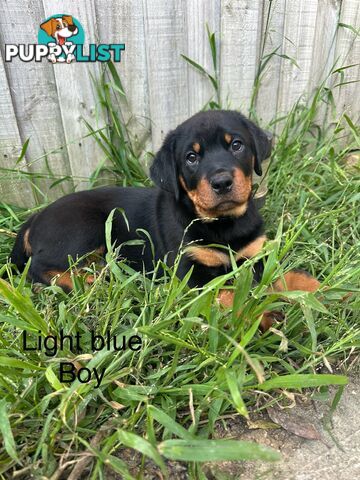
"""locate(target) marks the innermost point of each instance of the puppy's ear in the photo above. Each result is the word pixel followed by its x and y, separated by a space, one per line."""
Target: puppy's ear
pixel 163 170
pixel 263 142
pixel 68 19
pixel 49 26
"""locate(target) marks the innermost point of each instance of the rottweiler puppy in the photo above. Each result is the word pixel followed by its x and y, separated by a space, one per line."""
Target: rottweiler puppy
pixel 203 198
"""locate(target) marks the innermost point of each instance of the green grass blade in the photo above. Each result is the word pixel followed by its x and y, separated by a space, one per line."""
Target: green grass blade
pixel 132 440
pixel 216 451
pixel 6 431
pixel 168 423
pixel 302 381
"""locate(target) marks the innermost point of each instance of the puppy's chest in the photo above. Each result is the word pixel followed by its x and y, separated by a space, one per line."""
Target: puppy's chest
pixel 217 257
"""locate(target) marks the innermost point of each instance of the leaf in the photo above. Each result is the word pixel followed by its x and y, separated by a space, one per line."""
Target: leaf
pixel 118 466
pixel 23 151
pixel 295 422
pixel 262 425
pixel 283 347
pixel 353 128
pixel 140 444
pixel 349 27
pixel 212 43
pixel 116 78
pixel 170 424
pixel 53 379
pixel 235 393
pixel 216 450
pixel 302 380
pixel 195 65
pixel 7 434
pixel 15 363
pixel 311 325
pixel 23 305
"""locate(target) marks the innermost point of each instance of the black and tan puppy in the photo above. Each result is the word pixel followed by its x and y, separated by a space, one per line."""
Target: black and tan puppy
pixel 203 171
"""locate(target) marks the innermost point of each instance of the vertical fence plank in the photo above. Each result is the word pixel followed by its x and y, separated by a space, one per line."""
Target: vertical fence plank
pixel 126 25
pixel 323 57
pixel 298 42
pixel 13 189
pixel 240 37
pixel 34 95
pixel 271 40
pixel 77 96
pixel 347 50
pixel 200 13
pixel 165 40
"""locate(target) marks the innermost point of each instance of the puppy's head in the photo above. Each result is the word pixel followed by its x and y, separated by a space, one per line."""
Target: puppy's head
pixel 60 28
pixel 210 158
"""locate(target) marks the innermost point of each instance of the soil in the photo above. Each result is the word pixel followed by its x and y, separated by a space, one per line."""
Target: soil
pixel 334 455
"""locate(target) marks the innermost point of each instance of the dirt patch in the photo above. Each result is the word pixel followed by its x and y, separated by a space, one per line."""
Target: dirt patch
pixel 334 456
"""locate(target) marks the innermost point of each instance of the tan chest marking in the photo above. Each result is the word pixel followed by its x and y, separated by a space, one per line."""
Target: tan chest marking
pixel 207 256
pixel 252 248
pixel 210 257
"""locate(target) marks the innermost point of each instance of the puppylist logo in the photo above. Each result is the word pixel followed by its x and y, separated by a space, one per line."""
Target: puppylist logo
pixel 61 39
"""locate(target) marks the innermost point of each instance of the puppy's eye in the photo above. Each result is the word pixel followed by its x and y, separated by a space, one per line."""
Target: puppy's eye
pixel 236 145
pixel 58 27
pixel 191 158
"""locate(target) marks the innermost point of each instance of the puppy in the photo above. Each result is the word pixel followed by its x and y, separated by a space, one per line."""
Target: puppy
pixel 61 29
pixel 203 198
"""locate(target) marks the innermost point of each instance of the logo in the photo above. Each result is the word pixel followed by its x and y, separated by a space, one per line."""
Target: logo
pixel 61 39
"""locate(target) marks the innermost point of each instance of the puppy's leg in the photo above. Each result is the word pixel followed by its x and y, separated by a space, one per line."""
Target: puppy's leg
pixel 62 278
pixel 293 280
pixel 43 271
pixel 226 299
pixel 296 280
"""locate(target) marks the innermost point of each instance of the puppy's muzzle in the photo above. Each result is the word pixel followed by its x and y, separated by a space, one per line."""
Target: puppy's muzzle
pixel 221 183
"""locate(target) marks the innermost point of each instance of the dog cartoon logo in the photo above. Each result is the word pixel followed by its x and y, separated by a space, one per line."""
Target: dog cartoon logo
pixel 61 39
pixel 66 31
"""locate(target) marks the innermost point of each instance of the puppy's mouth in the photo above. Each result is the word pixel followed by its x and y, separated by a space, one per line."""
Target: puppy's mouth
pixel 61 40
pixel 225 205
pixel 208 204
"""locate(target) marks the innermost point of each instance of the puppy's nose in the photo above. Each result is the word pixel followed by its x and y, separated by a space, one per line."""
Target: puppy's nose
pixel 72 28
pixel 221 183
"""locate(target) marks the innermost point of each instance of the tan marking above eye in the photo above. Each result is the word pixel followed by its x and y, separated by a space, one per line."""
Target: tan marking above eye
pixel 252 249
pixel 196 147
pixel 207 256
pixel 228 138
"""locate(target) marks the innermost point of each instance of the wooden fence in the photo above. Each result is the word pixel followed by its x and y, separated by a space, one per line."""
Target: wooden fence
pixel 47 103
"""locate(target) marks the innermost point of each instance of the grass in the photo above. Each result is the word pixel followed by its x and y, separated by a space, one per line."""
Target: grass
pixel 198 363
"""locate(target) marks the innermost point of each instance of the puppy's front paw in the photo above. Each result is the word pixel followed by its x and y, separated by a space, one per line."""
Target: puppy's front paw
pixel 269 318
